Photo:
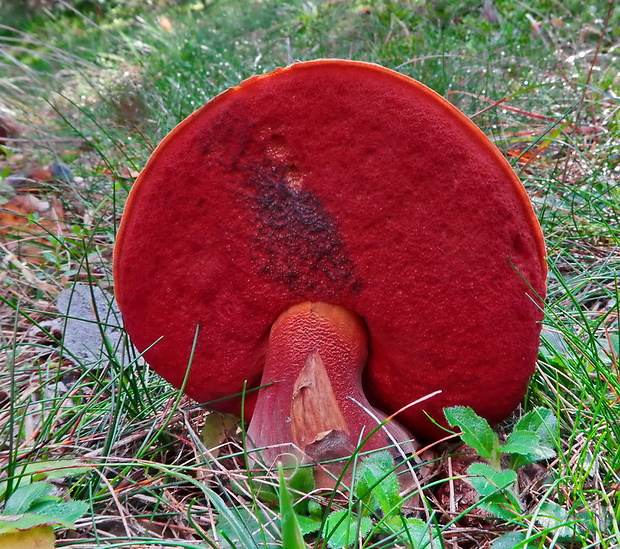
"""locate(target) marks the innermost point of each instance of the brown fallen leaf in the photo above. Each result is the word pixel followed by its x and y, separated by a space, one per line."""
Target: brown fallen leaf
pixel 129 173
pixel 28 220
pixel 125 173
pixel 14 215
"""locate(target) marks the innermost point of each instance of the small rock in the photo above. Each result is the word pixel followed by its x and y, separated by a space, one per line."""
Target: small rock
pixel 62 172
pixel 90 315
pixel 20 181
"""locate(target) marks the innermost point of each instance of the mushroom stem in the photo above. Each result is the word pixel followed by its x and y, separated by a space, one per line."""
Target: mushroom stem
pixel 313 407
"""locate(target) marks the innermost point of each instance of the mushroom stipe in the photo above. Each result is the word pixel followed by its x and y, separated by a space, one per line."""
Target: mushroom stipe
pixel 346 236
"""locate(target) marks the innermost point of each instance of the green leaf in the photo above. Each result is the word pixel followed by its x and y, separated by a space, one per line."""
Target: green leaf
pixel 344 528
pixel 291 532
pixel 56 469
pixel 315 509
pixel 377 484
pixel 64 513
pixel 511 540
pixel 494 480
pixel 52 513
pixel 309 525
pixel 555 518
pixel 477 432
pixel 23 498
pixel 496 488
pixel 544 424
pixel 520 442
pixel 25 521
pixel 541 421
pixel 46 470
pixel 418 534
pixel 488 480
pixel 302 481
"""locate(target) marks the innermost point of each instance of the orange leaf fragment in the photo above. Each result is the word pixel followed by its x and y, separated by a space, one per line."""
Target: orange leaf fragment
pixel 30 219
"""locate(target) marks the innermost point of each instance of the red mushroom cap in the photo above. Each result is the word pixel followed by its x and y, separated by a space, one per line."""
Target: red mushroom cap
pixel 347 183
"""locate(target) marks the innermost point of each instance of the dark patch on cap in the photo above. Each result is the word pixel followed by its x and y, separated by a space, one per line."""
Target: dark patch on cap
pixel 297 241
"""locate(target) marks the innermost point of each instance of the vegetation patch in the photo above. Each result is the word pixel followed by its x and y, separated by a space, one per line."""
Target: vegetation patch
pixel 97 447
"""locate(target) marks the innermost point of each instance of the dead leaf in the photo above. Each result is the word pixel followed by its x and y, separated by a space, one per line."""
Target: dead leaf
pixel 41 537
pixel 129 173
pixel 9 258
pixel 14 215
pixel 29 221
pixel 216 429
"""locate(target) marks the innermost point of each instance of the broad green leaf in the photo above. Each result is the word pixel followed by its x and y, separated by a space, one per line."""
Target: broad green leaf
pixel 309 525
pixel 61 468
pixel 477 432
pixel 544 424
pixel 537 452
pixel 22 499
pixel 417 534
pixel 511 540
pixel 45 470
pixel 343 528
pixel 315 509
pixel 614 342
pixel 392 524
pixel 302 481
pixel 377 484
pixel 25 521
pixel 64 513
pixel 264 492
pixel 520 442
pixel 496 489
pixel 554 517
pixel 541 421
pixel 291 532
pixel 41 537
pixel 487 480
pixel 57 469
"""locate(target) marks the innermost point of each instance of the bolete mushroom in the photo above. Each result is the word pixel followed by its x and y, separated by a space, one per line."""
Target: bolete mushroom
pixel 327 218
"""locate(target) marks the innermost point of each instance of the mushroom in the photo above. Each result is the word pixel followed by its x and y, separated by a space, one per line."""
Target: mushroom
pixel 343 237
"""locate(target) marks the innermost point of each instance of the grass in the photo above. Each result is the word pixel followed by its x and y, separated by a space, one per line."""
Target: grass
pixel 97 87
